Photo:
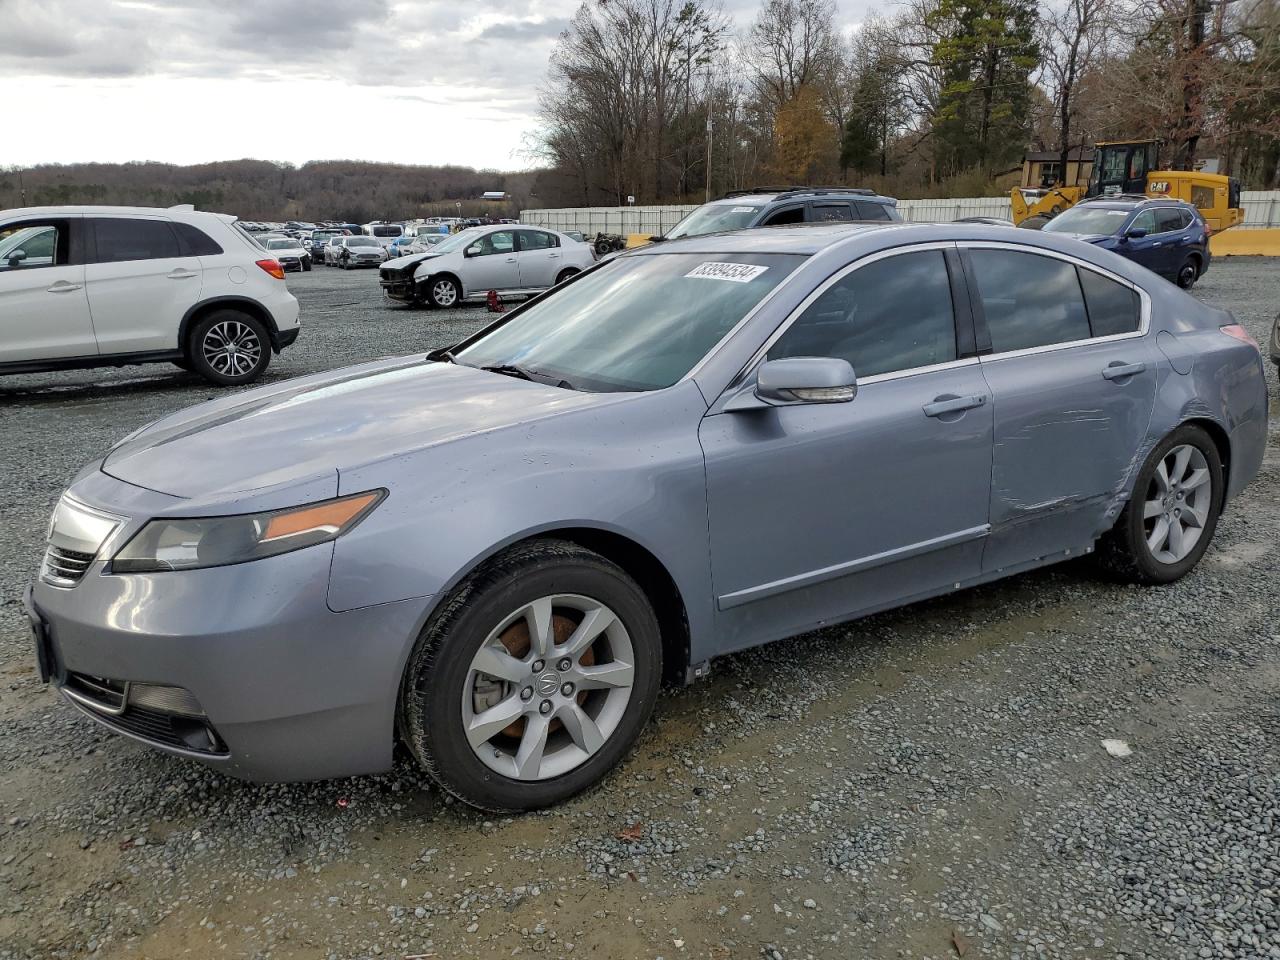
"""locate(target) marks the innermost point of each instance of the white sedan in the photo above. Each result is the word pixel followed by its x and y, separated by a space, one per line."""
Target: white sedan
pixel 515 261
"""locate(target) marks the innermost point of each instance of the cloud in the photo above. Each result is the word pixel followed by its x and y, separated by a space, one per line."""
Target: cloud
pixel 523 30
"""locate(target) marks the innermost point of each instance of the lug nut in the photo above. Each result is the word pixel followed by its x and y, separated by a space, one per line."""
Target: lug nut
pixel 537 666
pixel 564 664
pixel 545 707
pixel 526 693
pixel 567 689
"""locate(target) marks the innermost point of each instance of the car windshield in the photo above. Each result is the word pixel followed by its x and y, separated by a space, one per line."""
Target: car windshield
pixel 362 242
pixel 638 323
pixel 281 244
pixel 715 218
pixel 1102 221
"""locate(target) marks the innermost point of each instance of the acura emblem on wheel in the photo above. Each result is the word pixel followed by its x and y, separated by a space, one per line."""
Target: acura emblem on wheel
pixel 548 683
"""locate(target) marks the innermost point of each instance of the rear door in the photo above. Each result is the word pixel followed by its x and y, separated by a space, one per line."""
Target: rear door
pixel 1072 377
pixel 540 258
pixel 44 312
pixel 140 284
pixel 830 211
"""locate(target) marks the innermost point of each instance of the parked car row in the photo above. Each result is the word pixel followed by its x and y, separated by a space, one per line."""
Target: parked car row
pixel 689 449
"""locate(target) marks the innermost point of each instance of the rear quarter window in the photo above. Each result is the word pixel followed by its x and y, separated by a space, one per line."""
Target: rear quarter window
pixel 194 242
pixel 1113 307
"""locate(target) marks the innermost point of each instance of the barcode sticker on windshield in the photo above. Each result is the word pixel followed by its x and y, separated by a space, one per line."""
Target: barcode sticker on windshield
pixel 733 272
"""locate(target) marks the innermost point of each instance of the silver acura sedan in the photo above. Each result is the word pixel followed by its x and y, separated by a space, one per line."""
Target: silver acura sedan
pixel 496 552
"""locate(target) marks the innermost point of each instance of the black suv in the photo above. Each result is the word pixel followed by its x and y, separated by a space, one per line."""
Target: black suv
pixel 770 206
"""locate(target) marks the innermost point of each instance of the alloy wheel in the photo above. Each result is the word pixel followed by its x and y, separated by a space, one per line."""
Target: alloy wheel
pixel 1177 504
pixel 445 293
pixel 232 348
pixel 548 687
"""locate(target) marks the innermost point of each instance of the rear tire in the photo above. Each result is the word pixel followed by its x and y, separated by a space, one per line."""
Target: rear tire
pixel 229 348
pixel 1170 518
pixel 551 734
pixel 566 274
pixel 1188 273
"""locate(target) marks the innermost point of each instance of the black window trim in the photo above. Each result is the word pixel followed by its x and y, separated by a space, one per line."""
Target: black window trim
pixel 520 232
pixel 959 316
pixel 980 319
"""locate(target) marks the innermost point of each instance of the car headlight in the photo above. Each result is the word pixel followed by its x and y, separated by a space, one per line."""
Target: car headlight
pixel 192 543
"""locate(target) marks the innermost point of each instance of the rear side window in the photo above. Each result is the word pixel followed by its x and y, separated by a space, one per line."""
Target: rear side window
pixel 537 240
pixel 1169 219
pixel 872 211
pixel 827 212
pixel 893 314
pixel 1029 300
pixel 121 239
pixel 194 242
pixel 1113 307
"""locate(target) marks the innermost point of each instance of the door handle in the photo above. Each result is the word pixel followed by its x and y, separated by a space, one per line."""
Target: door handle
pixel 951 404
pixel 62 286
pixel 1156 243
pixel 1119 371
pixel 181 274
pixel 553 256
pixel 511 259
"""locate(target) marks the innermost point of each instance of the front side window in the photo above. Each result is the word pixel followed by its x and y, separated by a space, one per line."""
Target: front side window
pixel 785 215
pixel 636 323
pixel 892 314
pixel 122 239
pixel 33 245
pixel 1029 300
pixel 1146 220
pixel 502 241
pixel 1113 307
pixel 537 240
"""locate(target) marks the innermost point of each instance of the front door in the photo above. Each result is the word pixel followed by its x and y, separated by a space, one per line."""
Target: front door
pixel 540 259
pixel 492 263
pixel 823 511
pixel 140 286
pixel 44 313
pixel 1073 381
pixel 1147 250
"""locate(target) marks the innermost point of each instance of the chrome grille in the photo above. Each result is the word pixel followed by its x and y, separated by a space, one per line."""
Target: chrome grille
pixel 65 567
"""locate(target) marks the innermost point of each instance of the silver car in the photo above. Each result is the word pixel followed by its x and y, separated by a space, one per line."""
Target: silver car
pixel 510 259
pixel 496 552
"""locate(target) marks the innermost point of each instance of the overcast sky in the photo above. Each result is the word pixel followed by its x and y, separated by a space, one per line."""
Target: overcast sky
pixel 189 81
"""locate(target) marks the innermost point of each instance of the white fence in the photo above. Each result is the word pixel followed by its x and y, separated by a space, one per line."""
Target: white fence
pixel 1261 209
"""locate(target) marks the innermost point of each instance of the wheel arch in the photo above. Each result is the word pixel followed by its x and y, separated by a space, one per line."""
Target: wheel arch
pixel 199 311
pixel 637 560
pixel 1221 440
pixel 431 278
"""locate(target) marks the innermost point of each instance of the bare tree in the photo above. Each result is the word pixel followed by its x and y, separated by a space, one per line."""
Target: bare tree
pixel 1073 39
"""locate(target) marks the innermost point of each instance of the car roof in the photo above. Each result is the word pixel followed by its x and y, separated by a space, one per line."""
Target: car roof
pixel 177 212
pixel 801 238
pixel 1130 201
pixel 800 193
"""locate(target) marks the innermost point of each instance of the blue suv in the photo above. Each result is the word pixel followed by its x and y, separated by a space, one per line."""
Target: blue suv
pixel 1168 237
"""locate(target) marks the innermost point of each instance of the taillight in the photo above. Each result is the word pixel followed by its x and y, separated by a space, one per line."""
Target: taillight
pixel 272 267
pixel 1241 334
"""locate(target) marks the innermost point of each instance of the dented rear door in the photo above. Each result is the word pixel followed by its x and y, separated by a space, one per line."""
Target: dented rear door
pixel 1071 414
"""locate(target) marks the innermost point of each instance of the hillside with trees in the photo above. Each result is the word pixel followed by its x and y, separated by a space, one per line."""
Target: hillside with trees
pixel 934 98
pixel 260 190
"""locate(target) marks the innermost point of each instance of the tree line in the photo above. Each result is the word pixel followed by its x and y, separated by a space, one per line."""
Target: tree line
pixel 670 100
pixel 260 190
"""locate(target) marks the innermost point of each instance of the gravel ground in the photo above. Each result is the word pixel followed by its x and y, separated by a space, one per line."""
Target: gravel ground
pixel 929 782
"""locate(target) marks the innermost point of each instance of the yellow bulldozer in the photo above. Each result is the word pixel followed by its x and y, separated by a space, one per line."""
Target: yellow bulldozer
pixel 1129 166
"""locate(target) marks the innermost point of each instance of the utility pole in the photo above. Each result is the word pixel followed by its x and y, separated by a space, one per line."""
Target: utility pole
pixel 710 100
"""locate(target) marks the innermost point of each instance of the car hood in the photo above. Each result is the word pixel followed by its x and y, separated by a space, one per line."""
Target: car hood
pixel 347 418
pixel 408 260
pixel 1089 237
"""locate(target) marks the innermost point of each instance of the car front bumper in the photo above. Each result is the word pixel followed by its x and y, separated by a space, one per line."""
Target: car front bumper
pixel 285 689
pixel 402 291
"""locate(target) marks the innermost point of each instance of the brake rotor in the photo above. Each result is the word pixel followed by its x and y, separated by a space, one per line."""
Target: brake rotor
pixel 516 639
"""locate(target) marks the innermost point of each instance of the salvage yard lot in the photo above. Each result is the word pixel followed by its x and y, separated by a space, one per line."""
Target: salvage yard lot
pixel 921 781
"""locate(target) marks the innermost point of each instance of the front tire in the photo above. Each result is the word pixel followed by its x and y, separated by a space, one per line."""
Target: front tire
pixel 443 292
pixel 229 348
pixel 1167 525
pixel 533 679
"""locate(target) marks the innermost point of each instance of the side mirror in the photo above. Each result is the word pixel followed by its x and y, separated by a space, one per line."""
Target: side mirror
pixel 16 257
pixel 471 252
pixel 1135 233
pixel 799 380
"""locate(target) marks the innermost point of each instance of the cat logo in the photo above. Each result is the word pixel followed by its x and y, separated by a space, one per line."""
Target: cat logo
pixel 1158 186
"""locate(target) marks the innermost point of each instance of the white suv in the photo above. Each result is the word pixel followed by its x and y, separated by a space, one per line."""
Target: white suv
pixel 108 286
